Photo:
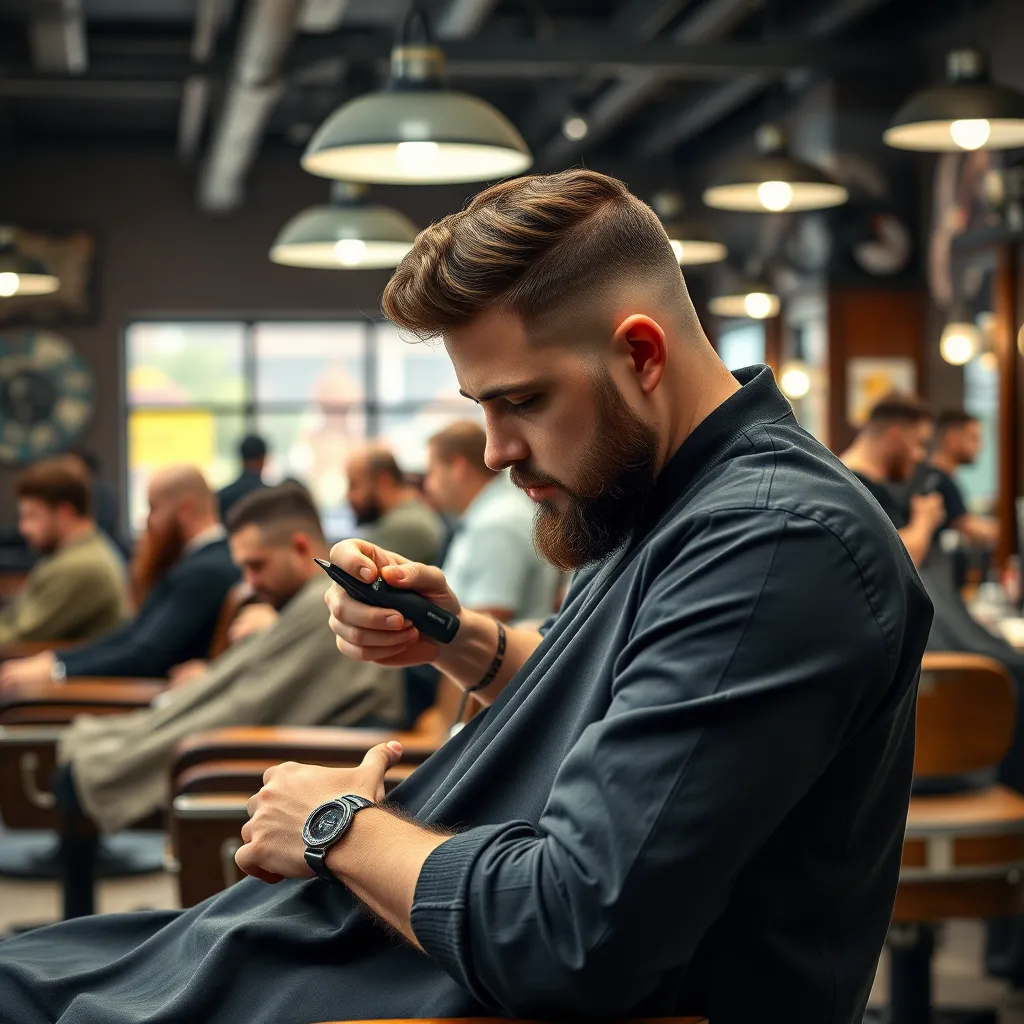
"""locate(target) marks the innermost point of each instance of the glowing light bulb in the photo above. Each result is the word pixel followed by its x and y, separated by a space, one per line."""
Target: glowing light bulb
pixel 775 195
pixel 575 128
pixel 959 343
pixel 758 305
pixel 9 282
pixel 350 251
pixel 795 380
pixel 417 157
pixel 677 249
pixel 970 133
pixel 989 362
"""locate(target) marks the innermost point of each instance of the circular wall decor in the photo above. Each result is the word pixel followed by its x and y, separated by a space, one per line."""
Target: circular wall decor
pixel 46 395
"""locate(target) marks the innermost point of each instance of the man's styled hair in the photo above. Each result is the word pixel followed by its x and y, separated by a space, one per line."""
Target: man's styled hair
pixel 463 438
pixel 278 512
pixel 62 480
pixel 952 419
pixel 902 409
pixel 529 246
pixel 252 447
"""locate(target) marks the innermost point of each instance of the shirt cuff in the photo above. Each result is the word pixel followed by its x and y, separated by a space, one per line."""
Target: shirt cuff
pixel 441 900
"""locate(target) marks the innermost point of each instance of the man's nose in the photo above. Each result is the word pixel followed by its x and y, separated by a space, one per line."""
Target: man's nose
pixel 504 449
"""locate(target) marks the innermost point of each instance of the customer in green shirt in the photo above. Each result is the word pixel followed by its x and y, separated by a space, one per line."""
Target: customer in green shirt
pixel 78 589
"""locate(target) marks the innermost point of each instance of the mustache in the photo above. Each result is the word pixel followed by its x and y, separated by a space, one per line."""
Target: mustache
pixel 525 478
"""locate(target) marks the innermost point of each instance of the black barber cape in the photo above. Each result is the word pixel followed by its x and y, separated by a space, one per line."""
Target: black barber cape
pixel 691 798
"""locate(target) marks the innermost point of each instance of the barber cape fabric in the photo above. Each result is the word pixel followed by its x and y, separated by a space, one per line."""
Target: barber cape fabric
pixel 289 674
pixel 691 798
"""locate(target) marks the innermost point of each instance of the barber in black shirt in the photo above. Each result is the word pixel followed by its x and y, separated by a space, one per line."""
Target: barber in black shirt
pixel 884 455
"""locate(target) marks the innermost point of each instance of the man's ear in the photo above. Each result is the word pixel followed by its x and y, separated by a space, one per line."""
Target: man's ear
pixel 301 545
pixel 642 339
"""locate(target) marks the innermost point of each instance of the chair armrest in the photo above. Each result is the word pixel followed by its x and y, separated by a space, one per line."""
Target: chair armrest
pixel 60 702
pixel 312 744
pixel 246 776
pixel 956 661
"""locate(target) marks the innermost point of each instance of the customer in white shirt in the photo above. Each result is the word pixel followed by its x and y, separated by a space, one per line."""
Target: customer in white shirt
pixel 491 562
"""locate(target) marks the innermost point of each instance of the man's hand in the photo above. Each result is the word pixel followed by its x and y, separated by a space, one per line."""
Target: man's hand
pixel 253 618
pixel 187 670
pixel 31 671
pixel 273 834
pixel 374 634
pixel 927 509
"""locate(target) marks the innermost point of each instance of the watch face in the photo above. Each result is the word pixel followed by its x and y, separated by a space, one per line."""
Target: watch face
pixel 326 823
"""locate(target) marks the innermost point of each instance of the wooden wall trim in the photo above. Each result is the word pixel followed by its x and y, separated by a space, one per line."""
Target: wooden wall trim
pixel 1005 289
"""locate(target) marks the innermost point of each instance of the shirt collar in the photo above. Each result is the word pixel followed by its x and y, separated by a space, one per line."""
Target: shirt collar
pixel 209 536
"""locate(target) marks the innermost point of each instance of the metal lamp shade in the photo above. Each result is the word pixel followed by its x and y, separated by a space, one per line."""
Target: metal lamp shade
pixel 693 246
pixel 417 136
pixel 809 188
pixel 22 276
pixel 344 237
pixel 925 122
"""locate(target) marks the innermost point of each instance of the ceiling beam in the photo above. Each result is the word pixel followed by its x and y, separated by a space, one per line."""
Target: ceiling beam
pixel 714 20
pixel 721 101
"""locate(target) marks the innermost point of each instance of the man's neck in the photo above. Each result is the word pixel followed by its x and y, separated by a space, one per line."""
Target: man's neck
pixel 942 460
pixel 472 493
pixel 77 532
pixel 400 496
pixel 199 528
pixel 864 457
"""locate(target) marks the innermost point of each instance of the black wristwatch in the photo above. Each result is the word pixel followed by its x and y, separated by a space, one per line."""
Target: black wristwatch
pixel 325 826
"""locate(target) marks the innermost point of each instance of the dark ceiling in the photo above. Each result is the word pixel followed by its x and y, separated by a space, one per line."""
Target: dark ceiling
pixel 651 77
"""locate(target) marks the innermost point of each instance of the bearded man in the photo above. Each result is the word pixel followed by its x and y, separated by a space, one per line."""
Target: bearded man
pixel 182 578
pixel 689 790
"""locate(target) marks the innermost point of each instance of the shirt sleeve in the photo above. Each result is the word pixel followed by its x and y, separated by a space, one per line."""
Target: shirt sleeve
pixel 494 571
pixel 750 658
pixel 47 609
pixel 953 501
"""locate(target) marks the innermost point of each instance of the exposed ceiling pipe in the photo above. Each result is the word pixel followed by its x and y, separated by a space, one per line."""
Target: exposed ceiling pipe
pixel 256 84
pixel 713 20
pixel 722 100
pixel 461 19
pixel 195 95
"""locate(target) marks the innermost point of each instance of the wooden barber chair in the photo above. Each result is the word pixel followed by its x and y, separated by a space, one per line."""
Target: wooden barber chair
pixel 963 854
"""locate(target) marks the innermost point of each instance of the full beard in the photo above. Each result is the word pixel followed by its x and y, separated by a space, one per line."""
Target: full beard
pixel 615 485
pixel 156 553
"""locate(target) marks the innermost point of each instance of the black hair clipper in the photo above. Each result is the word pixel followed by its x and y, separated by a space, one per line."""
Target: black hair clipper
pixel 429 618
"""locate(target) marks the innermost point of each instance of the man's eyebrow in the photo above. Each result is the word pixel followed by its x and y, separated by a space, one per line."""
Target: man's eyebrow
pixel 517 388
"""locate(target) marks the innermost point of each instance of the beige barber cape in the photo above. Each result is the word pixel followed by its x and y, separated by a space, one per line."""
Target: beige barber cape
pixel 289 674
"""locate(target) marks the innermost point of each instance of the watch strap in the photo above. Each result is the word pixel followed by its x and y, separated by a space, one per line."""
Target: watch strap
pixel 317 861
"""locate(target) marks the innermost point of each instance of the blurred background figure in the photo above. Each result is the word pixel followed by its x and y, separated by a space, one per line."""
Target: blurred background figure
pixel 184 576
pixel 106 508
pixel 79 588
pixel 389 511
pixel 491 562
pixel 253 453
pixel 957 443
pixel 884 457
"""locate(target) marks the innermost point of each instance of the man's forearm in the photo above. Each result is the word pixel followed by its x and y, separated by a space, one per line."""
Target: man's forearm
pixel 380 859
pixel 917 539
pixel 468 660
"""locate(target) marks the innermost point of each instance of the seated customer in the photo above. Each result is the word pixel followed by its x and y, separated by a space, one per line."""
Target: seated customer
pixel 79 589
pixel 687 796
pixel 884 456
pixel 389 510
pixel 288 673
pixel 957 443
pixel 253 453
pixel 190 572
pixel 491 562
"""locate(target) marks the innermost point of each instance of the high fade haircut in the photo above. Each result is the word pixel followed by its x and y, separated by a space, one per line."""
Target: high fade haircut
pixel 61 480
pixel 381 462
pixel 464 439
pixel 952 419
pixel 278 512
pixel 903 409
pixel 531 246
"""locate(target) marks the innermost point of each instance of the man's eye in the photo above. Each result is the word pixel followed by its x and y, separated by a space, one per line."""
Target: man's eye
pixel 520 407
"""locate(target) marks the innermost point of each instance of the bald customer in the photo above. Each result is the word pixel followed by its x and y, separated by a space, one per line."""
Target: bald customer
pixel 388 509
pixel 187 573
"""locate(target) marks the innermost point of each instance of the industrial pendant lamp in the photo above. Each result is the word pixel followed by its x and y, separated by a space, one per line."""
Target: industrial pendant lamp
pixel 774 182
pixel 690 242
pixel 751 297
pixel 20 275
pixel 416 131
pixel 968 112
pixel 349 233
pixel 961 339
